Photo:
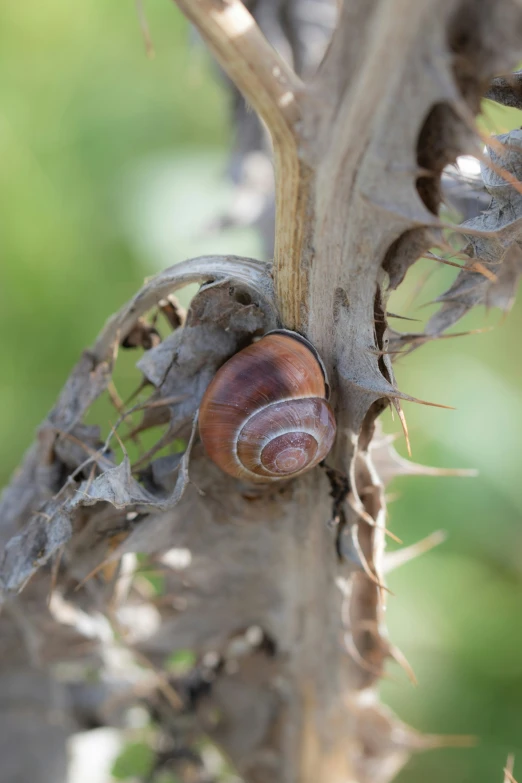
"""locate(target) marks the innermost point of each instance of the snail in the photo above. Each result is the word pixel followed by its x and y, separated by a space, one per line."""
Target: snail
pixel 265 416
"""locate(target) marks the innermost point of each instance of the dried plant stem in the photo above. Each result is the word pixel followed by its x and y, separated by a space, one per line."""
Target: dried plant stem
pixel 274 91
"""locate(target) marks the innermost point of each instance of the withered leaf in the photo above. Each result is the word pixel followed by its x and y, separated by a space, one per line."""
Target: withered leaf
pixel 29 550
pixel 495 238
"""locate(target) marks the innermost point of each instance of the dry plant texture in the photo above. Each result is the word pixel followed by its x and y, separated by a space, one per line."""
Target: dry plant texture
pixel 279 590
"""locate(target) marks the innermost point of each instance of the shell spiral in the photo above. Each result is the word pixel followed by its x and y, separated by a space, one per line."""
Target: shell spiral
pixel 264 417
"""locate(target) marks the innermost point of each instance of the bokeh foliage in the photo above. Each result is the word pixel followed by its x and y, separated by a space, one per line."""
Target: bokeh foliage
pixel 112 167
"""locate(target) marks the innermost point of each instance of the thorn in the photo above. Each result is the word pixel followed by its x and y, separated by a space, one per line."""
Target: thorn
pixel 420 217
pixel 508 769
pixel 392 497
pixel 451 252
pixel 143 385
pixel 467 231
pixel 399 657
pixel 115 397
pixel 95 454
pixel 110 568
pixel 163 402
pixel 472 266
pixel 435 741
pixel 433 257
pixel 389 464
pixel 391 650
pixel 91 574
pixel 479 267
pixel 413 468
pixel 408 398
pixel 419 286
pixel 382 388
pixel 120 442
pixel 149 46
pixel 364 562
pixel 401 351
pixel 388 533
pixel 483 330
pixel 119 405
pixel 399 736
pixel 165 439
pixel 401 317
pixel 426 470
pixel 363 514
pixel 393 536
pixel 505 314
pixel 140 406
pixel 394 560
pixel 107 561
pixel 402 419
pixel 362 662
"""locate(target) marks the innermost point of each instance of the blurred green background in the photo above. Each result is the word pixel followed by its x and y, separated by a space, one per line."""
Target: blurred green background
pixel 112 168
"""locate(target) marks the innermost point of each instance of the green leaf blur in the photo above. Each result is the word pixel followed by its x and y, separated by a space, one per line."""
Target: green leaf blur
pixel 135 760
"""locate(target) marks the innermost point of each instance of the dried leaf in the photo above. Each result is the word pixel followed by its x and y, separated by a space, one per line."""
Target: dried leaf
pixel 29 550
pixel 495 239
pixel 507 90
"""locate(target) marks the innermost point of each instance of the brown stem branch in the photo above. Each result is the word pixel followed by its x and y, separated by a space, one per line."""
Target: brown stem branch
pixel 266 81
pixel 276 93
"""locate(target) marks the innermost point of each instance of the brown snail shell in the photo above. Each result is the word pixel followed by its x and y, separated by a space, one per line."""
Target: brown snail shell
pixel 264 416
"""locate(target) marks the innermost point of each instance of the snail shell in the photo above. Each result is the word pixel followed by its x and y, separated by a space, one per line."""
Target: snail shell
pixel 264 417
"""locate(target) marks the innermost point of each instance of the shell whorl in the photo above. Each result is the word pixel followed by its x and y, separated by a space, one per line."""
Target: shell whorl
pixel 264 416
